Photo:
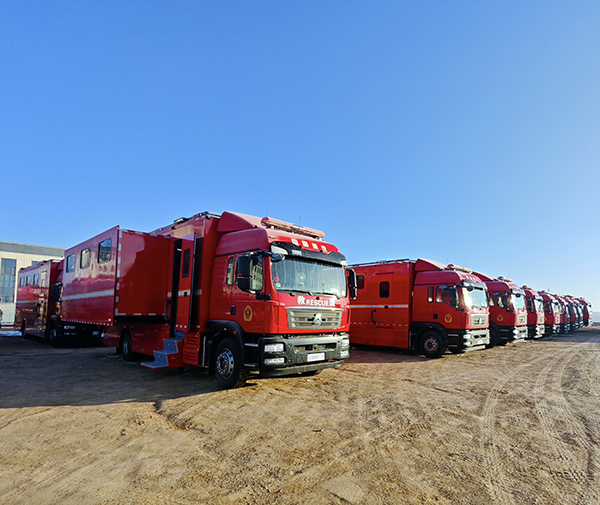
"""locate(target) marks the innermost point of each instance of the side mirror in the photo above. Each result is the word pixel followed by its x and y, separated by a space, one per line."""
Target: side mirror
pixel 243 272
pixel 243 283
pixel 352 284
pixel 56 291
pixel 243 265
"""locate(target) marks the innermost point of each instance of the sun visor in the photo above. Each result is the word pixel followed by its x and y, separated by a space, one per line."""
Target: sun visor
pixel 295 251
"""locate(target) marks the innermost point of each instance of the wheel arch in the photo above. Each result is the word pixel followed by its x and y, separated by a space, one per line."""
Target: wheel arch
pixel 222 330
pixel 418 328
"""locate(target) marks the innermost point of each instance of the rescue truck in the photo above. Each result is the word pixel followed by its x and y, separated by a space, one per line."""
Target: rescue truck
pixel 586 312
pixel 35 307
pixel 574 313
pixel 551 314
pixel 419 304
pixel 508 313
pixel 565 318
pixel 230 293
pixel 535 313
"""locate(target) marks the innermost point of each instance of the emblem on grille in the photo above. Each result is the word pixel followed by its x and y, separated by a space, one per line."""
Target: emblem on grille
pixel 317 320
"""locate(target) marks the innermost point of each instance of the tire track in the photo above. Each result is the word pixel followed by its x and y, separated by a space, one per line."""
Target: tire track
pixel 58 483
pixel 569 464
pixel 496 481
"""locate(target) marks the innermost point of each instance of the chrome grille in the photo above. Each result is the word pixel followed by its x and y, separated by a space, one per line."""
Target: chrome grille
pixel 302 318
pixel 479 320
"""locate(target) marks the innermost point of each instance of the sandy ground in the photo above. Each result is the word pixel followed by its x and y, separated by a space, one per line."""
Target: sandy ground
pixel 515 424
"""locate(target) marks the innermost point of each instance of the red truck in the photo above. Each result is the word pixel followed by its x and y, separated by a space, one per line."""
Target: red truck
pixel 230 293
pixel 551 314
pixel 535 312
pixel 586 312
pixel 565 317
pixel 508 312
pixel 35 307
pixel 419 304
pixel 575 313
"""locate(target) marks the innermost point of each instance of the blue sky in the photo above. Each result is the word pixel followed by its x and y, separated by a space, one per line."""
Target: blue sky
pixel 465 132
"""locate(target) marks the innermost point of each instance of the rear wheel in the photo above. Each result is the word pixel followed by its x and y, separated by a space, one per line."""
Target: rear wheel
pixel 230 371
pixel 126 352
pixel 432 344
pixel 54 335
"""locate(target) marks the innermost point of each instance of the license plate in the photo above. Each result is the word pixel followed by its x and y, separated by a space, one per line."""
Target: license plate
pixel 317 356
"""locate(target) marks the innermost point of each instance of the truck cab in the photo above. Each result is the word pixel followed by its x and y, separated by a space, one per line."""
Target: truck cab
pixel 508 310
pixel 565 317
pixel 535 313
pixel 285 292
pixel 551 314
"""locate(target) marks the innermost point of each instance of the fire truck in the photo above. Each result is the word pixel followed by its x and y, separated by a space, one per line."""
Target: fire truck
pixel 419 304
pixel 551 314
pixel 230 293
pixel 508 312
pixel 35 307
pixel 586 311
pixel 535 312
pixel 575 314
pixel 565 317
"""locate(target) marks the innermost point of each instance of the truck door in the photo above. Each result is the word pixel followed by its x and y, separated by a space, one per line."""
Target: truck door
pixel 249 309
pixel 382 314
pixel 185 288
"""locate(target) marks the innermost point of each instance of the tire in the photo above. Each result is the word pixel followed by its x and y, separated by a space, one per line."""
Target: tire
pixel 493 338
pixel 230 371
pixel 126 352
pixel 432 344
pixel 23 328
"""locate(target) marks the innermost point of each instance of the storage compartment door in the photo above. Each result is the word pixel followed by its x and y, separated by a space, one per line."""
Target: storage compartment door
pixel 186 283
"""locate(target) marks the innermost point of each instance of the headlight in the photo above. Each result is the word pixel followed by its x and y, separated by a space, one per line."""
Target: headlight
pixel 345 343
pixel 274 361
pixel 344 354
pixel 273 347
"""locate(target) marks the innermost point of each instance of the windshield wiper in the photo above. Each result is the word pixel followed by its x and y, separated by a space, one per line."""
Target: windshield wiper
pixel 325 293
pixel 292 291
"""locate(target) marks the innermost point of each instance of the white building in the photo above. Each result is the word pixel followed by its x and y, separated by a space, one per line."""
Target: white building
pixel 13 257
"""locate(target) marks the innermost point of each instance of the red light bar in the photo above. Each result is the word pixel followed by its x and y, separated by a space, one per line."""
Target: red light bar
pixel 269 222
pixel 458 268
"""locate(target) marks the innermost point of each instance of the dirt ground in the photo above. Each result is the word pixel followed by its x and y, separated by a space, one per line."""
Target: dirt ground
pixel 514 424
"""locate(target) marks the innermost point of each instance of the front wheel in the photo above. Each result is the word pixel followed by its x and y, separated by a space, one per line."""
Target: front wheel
pixel 432 344
pixel 230 371
pixel 493 338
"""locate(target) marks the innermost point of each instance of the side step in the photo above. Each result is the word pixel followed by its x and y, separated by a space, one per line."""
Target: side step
pixel 169 357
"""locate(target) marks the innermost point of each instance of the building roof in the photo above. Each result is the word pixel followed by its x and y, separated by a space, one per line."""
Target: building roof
pixel 13 247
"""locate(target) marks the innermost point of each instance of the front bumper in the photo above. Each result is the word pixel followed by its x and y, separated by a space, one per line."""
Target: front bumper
pixel 468 340
pixel 551 329
pixel 535 330
pixel 512 333
pixel 304 353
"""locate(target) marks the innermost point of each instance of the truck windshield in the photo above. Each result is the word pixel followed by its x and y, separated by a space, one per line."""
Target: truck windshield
pixel 539 305
pixel 518 300
pixel 304 276
pixel 477 297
